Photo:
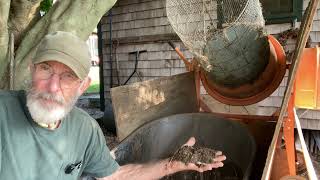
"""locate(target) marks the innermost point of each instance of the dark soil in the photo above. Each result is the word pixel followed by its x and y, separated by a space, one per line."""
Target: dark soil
pixel 230 171
pixel 196 155
pixel 111 138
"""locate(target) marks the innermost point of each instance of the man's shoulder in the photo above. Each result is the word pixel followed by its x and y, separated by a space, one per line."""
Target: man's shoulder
pixel 80 115
pixel 6 95
pixel 10 93
pixel 78 112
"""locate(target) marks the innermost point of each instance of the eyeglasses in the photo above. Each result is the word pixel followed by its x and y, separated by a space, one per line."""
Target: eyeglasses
pixel 67 79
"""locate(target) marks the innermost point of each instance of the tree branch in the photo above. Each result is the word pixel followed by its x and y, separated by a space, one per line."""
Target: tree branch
pixel 4 38
pixel 23 15
pixel 77 16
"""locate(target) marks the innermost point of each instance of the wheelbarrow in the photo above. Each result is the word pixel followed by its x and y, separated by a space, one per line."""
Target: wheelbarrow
pixel 160 138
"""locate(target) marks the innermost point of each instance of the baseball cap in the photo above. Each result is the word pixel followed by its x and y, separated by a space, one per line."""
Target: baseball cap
pixel 66 48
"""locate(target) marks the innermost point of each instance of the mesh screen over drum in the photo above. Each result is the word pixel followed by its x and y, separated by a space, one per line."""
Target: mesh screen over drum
pixel 225 36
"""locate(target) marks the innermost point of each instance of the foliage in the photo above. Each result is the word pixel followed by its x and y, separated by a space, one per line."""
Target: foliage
pixel 45 5
pixel 93 88
pixel 22 28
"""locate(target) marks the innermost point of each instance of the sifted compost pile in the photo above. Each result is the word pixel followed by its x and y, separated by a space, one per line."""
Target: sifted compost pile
pixel 196 155
pixel 230 171
pixel 199 156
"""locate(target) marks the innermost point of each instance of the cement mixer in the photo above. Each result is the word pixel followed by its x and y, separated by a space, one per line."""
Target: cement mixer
pixel 240 64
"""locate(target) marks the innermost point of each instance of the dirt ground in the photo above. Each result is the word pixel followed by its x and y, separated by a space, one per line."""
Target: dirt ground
pixel 95 112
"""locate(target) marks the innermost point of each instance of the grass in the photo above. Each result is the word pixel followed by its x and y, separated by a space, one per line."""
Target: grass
pixel 93 88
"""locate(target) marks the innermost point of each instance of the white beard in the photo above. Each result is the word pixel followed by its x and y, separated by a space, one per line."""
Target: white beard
pixel 41 113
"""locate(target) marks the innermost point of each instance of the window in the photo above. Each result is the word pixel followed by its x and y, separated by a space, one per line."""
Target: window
pixel 282 11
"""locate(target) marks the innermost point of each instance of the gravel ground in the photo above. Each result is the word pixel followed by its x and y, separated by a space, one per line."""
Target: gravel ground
pixel 95 112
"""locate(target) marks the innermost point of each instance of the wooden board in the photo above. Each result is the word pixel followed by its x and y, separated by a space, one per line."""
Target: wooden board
pixel 139 103
pixel 301 42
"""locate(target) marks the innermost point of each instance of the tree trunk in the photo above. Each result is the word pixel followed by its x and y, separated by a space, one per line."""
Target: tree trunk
pixel 76 16
pixel 4 43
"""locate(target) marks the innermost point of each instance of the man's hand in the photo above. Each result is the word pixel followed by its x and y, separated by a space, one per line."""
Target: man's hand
pixel 176 166
pixel 156 170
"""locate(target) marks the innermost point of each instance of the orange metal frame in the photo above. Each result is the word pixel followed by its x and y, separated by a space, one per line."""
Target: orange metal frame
pixel 288 126
pixel 288 133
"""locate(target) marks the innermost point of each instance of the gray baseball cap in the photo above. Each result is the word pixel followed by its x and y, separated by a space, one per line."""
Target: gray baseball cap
pixel 66 48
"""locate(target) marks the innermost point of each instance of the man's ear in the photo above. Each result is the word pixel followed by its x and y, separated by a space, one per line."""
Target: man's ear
pixel 85 84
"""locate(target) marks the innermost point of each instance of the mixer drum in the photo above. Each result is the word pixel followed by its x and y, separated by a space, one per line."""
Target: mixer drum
pixel 240 64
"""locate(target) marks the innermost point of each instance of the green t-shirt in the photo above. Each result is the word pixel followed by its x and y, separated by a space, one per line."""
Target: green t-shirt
pixel 30 152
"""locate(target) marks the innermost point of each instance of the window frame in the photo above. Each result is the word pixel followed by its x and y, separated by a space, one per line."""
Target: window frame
pixel 295 15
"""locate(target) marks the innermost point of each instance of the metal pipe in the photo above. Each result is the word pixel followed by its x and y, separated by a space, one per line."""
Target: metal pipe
pixel 101 79
pixel 219 14
pixel 135 64
pixel 110 34
pixel 117 64
pixel 186 62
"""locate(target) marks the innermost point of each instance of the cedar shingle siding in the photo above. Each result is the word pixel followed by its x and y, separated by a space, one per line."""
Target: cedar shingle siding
pixel 142 25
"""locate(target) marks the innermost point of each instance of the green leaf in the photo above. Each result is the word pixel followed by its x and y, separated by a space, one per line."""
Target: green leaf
pixel 45 5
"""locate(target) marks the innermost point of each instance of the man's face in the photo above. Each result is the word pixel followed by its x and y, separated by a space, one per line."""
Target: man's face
pixel 55 89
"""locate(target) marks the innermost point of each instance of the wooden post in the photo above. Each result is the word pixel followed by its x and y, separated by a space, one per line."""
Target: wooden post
pixel 288 132
pixel 310 169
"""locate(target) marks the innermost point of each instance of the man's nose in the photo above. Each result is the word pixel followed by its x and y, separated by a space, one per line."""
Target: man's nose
pixel 54 83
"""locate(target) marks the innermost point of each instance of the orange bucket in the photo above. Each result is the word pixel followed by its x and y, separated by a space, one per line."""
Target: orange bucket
pixel 306 88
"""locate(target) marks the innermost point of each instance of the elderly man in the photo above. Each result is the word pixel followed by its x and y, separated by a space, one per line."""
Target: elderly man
pixel 43 136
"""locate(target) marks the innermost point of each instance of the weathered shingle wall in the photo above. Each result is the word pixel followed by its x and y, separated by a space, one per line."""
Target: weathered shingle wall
pixel 142 25
pixel 309 118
